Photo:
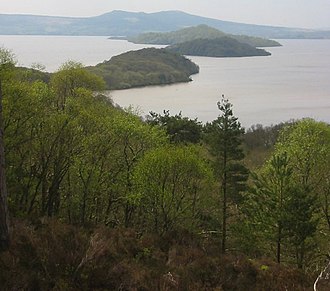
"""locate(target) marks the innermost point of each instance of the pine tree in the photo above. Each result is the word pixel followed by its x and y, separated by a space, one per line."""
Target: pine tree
pixel 300 223
pixel 224 137
pixel 271 193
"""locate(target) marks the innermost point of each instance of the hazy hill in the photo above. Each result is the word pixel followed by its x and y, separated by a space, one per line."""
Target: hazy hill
pixel 201 31
pixel 218 47
pixel 145 67
pixel 121 23
pixel 37 25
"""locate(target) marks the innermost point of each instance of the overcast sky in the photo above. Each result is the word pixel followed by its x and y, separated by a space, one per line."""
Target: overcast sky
pixel 293 13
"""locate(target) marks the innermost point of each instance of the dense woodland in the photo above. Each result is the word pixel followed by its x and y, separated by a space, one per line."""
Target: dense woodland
pixel 144 67
pixel 100 199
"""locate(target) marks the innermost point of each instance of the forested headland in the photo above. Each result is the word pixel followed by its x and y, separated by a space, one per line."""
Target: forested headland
pixel 203 40
pixel 100 199
pixel 198 32
pixel 145 67
pixel 140 68
pixel 223 47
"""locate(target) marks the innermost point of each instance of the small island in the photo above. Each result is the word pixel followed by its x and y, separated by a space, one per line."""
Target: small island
pixel 203 40
pixel 198 32
pixel 219 48
pixel 145 67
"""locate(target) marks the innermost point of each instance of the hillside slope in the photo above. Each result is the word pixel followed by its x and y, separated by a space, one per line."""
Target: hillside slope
pixel 122 23
pixel 219 48
pixel 145 67
pixel 201 31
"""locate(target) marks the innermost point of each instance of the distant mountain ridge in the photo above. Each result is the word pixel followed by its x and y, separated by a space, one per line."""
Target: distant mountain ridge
pixel 122 23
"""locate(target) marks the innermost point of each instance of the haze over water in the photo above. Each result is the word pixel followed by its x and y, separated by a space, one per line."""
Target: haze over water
pixel 292 83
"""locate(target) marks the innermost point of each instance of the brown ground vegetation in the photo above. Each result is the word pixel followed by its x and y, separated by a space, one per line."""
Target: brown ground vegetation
pixel 50 255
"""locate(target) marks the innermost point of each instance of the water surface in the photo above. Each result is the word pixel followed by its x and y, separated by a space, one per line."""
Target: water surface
pixel 292 83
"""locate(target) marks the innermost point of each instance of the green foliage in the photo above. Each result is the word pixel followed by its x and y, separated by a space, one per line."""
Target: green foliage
pixel 32 75
pixel 69 78
pixel 74 161
pixel 289 190
pixel 170 186
pixel 218 47
pixel 73 156
pixel 264 268
pixel 307 143
pixel 225 132
pixel 272 189
pixel 7 58
pixel 6 63
pixel 180 129
pixel 224 136
pixel 300 223
pixel 144 67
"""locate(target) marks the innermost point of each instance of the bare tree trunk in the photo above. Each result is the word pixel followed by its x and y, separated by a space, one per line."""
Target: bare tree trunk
pixel 279 240
pixel 224 203
pixel 224 219
pixel 322 282
pixel 4 215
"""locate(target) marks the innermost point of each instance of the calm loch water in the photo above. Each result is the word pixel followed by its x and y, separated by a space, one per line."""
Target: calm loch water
pixel 292 83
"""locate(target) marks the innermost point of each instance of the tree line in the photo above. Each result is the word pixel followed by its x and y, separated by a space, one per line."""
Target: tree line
pixel 72 155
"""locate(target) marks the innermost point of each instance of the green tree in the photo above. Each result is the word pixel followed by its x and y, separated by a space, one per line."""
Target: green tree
pixel 290 187
pixel 24 114
pixel 270 195
pixel 43 141
pixel 307 144
pixel 90 182
pixel 6 63
pixel 224 135
pixel 170 183
pixel 69 78
pixel 100 181
pixel 135 139
pixel 180 129
pixel 281 211
pixel 300 223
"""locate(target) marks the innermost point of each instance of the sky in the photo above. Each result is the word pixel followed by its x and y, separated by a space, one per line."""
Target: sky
pixel 291 13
